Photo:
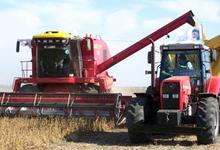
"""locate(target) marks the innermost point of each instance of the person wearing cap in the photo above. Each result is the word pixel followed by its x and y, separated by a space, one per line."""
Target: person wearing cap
pixel 184 63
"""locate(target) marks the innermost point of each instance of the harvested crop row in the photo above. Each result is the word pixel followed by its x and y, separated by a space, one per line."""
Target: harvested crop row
pixel 31 133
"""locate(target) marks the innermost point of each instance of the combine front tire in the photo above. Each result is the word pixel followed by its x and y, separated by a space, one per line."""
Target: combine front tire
pixel 208 118
pixel 135 119
pixel 28 88
pixel 90 88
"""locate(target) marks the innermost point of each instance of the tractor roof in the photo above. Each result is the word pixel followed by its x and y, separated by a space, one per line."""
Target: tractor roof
pixel 179 46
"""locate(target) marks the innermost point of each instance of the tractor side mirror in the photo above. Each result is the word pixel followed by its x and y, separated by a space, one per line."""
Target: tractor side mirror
pixel 213 55
pixel 149 57
pixel 150 72
pixel 18 46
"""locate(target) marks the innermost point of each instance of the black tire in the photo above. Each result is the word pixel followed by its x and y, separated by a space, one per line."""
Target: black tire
pixel 28 88
pixel 149 90
pixel 208 117
pixel 135 119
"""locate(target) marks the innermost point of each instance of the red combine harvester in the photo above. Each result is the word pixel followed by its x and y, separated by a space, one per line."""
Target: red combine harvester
pixel 69 75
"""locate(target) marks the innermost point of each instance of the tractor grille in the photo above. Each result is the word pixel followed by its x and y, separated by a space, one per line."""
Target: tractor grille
pixel 170 95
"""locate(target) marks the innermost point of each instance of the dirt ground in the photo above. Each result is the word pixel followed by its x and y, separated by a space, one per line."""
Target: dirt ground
pixel 118 139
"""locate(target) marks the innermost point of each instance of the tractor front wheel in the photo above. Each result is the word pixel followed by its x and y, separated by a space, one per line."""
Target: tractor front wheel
pixel 208 118
pixel 135 119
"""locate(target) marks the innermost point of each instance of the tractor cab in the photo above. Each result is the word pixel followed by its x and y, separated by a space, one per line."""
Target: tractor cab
pixel 192 60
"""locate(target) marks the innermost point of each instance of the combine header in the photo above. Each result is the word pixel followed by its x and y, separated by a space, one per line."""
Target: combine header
pixel 69 76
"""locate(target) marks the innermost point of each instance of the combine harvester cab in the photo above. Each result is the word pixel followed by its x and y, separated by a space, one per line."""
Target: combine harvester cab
pixel 69 75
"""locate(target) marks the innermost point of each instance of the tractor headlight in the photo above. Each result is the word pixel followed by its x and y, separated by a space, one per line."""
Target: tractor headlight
pixel 175 96
pixel 165 95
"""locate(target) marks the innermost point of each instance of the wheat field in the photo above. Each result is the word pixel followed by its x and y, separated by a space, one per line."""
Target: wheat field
pixel 21 133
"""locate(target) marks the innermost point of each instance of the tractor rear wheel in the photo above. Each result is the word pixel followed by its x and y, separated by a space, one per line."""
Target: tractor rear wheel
pixel 135 119
pixel 208 118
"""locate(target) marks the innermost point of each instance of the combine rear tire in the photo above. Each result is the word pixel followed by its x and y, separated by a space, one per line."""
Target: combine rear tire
pixel 135 119
pixel 208 118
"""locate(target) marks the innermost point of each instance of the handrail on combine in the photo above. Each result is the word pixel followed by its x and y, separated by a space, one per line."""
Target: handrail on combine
pixel 26 68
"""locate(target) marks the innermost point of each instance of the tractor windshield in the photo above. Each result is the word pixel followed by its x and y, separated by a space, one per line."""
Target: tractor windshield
pixel 181 63
pixel 54 61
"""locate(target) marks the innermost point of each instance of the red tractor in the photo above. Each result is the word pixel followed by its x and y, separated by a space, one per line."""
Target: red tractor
pixel 183 99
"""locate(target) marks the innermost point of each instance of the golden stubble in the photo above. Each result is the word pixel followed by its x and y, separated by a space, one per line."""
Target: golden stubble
pixel 37 133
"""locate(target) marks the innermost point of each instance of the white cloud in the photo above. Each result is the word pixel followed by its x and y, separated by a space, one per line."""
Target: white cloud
pixel 205 9
pixel 121 21
pixel 156 23
pixel 14 25
pixel 71 16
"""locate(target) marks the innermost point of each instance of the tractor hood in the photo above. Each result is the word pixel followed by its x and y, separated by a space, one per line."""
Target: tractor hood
pixel 184 82
pixel 176 90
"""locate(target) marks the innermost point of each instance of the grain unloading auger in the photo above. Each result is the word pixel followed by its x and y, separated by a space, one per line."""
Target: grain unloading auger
pixel 69 77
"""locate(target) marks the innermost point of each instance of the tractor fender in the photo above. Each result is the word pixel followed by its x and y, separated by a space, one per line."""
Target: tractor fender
pixel 213 85
pixel 205 95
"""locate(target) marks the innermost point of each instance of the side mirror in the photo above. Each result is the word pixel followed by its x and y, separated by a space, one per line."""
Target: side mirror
pixel 23 42
pixel 150 72
pixel 149 57
pixel 213 55
pixel 18 46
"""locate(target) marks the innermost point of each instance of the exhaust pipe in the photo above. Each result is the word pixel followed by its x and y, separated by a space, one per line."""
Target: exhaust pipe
pixel 153 78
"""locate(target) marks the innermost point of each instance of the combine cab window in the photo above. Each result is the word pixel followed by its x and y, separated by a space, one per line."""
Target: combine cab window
pixel 54 61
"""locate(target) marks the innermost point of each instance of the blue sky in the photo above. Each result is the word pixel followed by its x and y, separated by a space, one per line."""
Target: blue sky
pixel 120 23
